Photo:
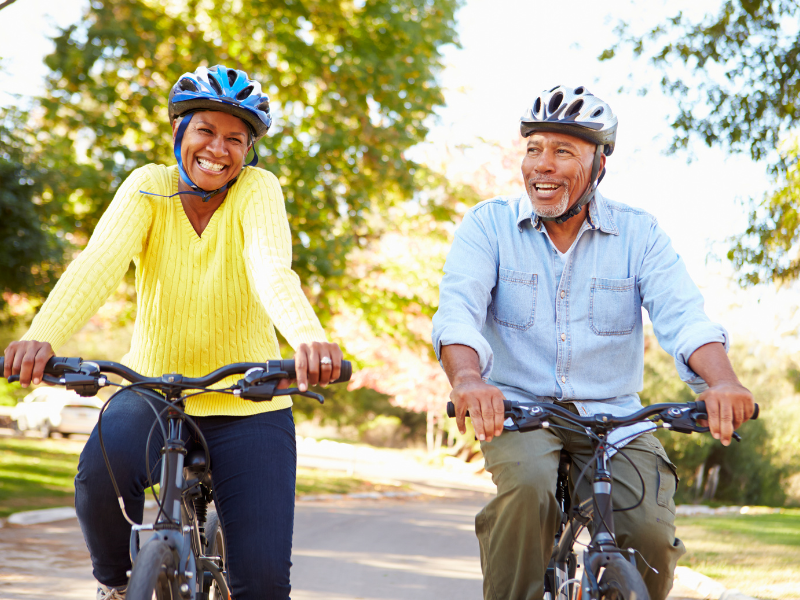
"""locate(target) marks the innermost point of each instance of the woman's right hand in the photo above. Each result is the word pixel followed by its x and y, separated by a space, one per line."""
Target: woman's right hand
pixel 27 359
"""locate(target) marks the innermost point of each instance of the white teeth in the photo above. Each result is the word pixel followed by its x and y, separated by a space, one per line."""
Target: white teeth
pixel 546 186
pixel 210 165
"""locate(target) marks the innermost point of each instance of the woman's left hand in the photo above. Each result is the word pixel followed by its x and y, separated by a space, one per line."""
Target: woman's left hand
pixel 317 364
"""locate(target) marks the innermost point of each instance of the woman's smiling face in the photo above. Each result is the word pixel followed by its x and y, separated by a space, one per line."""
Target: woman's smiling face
pixel 214 148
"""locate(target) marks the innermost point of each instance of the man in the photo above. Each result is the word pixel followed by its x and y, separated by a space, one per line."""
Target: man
pixel 212 247
pixel 541 301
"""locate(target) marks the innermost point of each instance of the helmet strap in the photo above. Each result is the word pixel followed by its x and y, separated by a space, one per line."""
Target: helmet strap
pixel 588 194
pixel 196 191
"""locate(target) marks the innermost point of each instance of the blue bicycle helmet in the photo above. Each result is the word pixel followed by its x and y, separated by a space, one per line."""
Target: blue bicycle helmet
pixel 218 89
pixel 225 90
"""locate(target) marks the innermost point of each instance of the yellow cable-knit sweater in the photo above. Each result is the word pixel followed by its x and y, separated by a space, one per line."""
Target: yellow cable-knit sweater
pixel 202 301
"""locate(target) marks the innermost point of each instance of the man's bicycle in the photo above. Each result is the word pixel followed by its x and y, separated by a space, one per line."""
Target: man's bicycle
pixel 609 572
pixel 184 556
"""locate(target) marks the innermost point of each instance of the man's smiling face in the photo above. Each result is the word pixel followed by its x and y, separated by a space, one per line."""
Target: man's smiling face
pixel 556 171
pixel 214 147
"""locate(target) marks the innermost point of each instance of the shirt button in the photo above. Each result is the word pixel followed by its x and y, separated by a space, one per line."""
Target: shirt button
pixel 562 293
pixel 563 337
pixel 563 379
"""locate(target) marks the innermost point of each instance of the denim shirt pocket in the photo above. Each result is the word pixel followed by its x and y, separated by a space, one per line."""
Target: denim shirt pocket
pixel 514 299
pixel 612 306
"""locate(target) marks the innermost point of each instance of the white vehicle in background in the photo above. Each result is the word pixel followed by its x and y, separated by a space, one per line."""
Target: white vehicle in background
pixel 49 410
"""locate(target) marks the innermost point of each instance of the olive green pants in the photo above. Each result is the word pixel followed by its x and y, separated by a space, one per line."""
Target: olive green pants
pixel 517 528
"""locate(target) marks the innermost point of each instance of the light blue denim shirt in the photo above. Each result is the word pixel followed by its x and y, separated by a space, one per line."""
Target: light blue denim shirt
pixel 569 327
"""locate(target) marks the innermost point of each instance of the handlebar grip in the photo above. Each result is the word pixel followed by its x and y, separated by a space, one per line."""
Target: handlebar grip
pixel 451 408
pixel 701 406
pixel 345 374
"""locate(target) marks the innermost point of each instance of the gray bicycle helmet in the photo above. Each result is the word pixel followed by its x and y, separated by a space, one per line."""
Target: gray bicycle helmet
pixel 574 111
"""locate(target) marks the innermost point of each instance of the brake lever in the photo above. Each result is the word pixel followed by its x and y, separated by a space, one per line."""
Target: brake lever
pixel 527 418
pixel 684 420
pixel 296 392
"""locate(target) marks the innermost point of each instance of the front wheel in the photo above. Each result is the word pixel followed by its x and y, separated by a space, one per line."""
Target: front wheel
pixel 621 581
pixel 153 573
pixel 216 547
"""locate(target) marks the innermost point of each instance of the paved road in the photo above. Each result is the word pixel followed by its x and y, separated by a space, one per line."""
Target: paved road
pixel 389 549
pixel 421 548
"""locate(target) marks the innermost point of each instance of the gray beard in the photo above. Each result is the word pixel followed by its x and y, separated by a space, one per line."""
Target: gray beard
pixel 551 210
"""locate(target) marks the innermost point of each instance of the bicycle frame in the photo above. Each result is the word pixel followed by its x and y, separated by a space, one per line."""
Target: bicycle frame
pixel 598 510
pixel 180 523
pixel 560 575
pixel 177 523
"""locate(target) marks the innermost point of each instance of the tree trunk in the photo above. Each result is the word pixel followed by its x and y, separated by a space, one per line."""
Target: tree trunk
pixel 711 483
pixel 698 481
pixel 429 430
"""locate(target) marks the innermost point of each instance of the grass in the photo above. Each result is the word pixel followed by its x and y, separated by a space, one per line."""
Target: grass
pixel 36 473
pixel 316 481
pixel 758 554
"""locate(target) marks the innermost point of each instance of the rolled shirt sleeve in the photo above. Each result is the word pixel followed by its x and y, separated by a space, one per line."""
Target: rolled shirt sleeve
pixel 470 274
pixel 675 305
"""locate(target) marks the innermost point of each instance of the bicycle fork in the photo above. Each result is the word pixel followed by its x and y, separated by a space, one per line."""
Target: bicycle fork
pixel 170 527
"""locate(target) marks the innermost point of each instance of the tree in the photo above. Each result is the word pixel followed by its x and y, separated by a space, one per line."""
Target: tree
pixel 735 77
pixel 755 471
pixel 352 85
pixel 32 250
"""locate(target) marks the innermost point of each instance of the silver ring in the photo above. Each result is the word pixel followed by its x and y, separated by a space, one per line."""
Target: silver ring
pixel 325 360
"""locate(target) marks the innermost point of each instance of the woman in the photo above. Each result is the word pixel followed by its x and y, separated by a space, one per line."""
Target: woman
pixel 210 241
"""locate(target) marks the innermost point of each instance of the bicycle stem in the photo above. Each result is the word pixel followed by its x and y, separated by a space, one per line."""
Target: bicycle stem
pixel 603 518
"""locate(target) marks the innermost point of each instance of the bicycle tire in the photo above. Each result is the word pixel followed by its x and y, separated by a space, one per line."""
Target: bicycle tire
pixel 622 581
pixel 149 580
pixel 215 546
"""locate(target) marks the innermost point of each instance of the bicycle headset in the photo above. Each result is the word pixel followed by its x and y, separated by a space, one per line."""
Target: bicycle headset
pixel 218 89
pixel 579 113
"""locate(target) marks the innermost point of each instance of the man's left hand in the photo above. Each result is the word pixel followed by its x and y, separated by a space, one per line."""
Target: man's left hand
pixel 728 405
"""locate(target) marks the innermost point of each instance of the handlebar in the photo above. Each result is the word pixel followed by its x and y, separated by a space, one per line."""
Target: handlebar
pixel 259 383
pixel 680 417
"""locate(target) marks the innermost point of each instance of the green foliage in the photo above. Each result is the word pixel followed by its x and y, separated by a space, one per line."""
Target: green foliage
pixel 352 86
pixel 735 77
pixel 31 250
pixel 754 471
pixel 743 72
pixel 767 250
pixel 359 408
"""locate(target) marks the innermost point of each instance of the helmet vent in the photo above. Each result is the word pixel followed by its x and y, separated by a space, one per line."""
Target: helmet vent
pixel 245 93
pixel 264 106
pixel 555 102
pixel 537 106
pixel 215 84
pixel 232 77
pixel 597 113
pixel 187 85
pixel 579 91
pixel 554 89
pixel 575 108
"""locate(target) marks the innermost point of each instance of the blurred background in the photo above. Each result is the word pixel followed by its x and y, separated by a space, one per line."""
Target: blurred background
pixel 391 119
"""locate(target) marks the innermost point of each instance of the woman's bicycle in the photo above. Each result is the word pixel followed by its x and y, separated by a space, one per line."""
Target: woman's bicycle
pixel 184 556
pixel 609 572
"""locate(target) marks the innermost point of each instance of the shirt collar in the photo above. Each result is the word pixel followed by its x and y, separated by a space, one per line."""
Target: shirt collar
pixel 599 214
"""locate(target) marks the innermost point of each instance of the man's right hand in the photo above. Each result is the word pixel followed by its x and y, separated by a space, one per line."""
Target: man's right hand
pixel 27 359
pixel 485 405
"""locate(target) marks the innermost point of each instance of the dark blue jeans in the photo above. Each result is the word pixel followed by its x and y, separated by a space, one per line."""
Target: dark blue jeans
pixel 253 460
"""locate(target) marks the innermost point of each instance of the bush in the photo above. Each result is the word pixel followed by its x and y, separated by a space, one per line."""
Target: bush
pixel 758 469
